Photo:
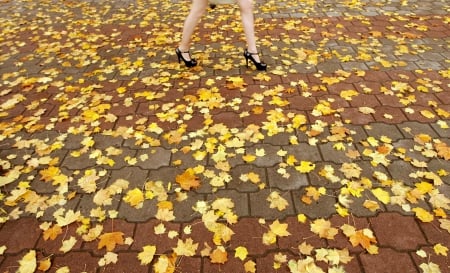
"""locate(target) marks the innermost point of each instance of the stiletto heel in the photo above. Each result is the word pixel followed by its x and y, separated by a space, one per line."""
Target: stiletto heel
pixel 259 65
pixel 188 63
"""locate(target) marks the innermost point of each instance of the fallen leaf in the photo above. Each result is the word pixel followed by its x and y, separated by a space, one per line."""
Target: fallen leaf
pixel 250 267
pixel 219 255
pixel 279 229
pixel 323 228
pixel 147 254
pixel 135 198
pixel 277 201
pixel 45 264
pixel 110 240
pixel 241 253
pixel 67 245
pixel 186 248
pixel 188 180
pixel 28 263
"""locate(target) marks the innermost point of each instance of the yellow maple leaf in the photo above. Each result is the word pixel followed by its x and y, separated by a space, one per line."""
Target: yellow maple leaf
pixel 147 254
pixel 443 150
pixel 279 229
pixel 165 264
pixel 445 224
pixel 430 268
pixel 250 267
pixel 241 252
pixel 235 83
pixel 28 263
pixel 382 195
pixel 88 182
pixel 69 218
pixel 110 240
pixel 134 198
pixel 49 173
pixel 305 248
pixel 323 228
pixel 305 167
pixel 371 205
pixel 186 248
pixel 165 215
pixel 249 158
pixel 427 114
pixel 440 249
pixel 323 108
pixel 108 258
pixel 301 218
pixel 277 201
pixel 423 215
pixel 348 94
pixel 366 110
pixel 68 244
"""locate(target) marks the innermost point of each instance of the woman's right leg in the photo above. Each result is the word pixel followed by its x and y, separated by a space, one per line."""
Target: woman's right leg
pixel 198 8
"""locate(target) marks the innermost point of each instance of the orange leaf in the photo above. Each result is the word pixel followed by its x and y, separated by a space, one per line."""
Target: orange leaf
pixel 52 232
pixel 188 180
pixel 219 256
pixel 443 150
pixel 110 240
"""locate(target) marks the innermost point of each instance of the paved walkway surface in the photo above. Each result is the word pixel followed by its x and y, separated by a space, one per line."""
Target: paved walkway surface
pixel 115 158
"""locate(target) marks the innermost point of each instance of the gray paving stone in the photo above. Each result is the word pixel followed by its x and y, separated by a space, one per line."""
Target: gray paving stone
pixel 357 206
pixel 73 142
pixel 119 160
pixel 260 207
pixel 400 171
pixel 304 151
pixel 295 181
pixel 378 130
pixel 16 156
pixel 103 141
pixel 269 159
pixel 246 186
pixel 87 204
pixel 357 133
pixel 330 154
pixel 157 158
pixel 78 163
pixel 131 214
pixel 134 175
pixel 187 161
pixel 70 205
pixel 240 200
pixel 411 152
pixel 280 139
pixel 323 208
pixel 320 181
pixel 183 211
pixel 436 165
pixel 411 129
pixel 443 133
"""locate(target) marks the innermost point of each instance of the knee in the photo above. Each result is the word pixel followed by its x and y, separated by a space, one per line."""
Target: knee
pixel 246 5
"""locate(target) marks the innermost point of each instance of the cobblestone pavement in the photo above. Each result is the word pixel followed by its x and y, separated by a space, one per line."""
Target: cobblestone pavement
pixel 334 160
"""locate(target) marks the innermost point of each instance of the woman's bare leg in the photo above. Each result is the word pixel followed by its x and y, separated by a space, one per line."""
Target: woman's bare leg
pixel 248 22
pixel 198 8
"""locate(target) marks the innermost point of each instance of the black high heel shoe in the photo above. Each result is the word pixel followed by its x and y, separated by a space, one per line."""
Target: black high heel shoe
pixel 188 63
pixel 259 65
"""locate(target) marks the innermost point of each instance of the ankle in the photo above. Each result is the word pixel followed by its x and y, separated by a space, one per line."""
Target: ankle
pixel 183 49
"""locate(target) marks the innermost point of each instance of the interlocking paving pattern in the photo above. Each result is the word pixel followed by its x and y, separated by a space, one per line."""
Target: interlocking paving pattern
pixel 353 109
